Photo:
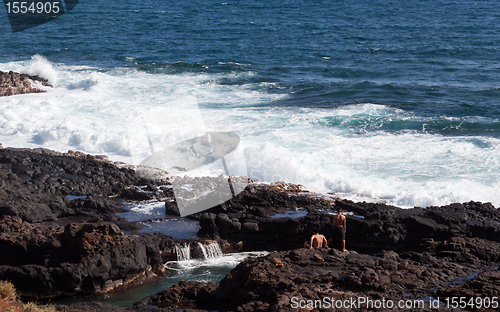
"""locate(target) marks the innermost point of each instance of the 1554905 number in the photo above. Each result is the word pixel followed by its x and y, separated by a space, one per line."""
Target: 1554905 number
pixel 472 303
pixel 32 7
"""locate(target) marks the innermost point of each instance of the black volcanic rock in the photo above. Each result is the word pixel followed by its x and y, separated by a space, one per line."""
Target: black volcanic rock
pixel 53 240
pixel 52 244
pixel 35 184
pixel 171 209
pixel 370 227
pixel 48 260
pixel 261 200
pixel 264 284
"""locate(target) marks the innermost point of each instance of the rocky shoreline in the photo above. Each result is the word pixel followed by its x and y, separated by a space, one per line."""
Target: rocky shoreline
pixel 12 83
pixel 60 236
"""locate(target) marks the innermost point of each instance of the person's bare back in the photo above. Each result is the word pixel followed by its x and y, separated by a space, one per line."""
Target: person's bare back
pixel 339 220
pixel 339 226
pixel 317 241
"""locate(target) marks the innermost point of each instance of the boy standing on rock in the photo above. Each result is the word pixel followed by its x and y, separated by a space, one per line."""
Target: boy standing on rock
pixel 339 227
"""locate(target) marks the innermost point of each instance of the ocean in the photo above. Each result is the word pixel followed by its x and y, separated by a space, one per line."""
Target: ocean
pixel 377 100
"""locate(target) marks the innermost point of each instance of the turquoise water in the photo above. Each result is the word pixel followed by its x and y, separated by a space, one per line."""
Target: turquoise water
pixel 212 270
pixel 372 100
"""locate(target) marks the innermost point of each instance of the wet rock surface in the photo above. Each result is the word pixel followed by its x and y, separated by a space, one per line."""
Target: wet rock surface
pixel 49 260
pixel 312 275
pixel 58 225
pixel 370 227
pixel 59 236
pixel 405 256
pixel 41 185
pixel 12 83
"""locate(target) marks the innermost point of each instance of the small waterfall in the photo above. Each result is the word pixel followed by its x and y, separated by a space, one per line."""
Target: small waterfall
pixel 183 253
pixel 211 251
pixel 200 251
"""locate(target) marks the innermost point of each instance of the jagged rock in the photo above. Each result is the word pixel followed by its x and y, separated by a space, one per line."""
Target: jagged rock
pixel 12 83
pixel 52 244
pixel 259 284
pixel 372 227
pixel 39 185
pixel 53 241
pixel 50 261
pixel 171 209
pixel 262 201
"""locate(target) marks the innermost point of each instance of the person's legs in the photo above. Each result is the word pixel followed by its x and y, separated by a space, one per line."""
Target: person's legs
pixel 342 232
pixel 334 242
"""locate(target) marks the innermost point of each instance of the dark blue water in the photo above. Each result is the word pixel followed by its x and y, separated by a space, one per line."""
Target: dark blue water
pixel 392 100
pixel 435 58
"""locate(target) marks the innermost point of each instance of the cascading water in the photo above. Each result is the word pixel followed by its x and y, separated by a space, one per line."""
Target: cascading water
pixel 208 251
pixel 211 251
pixel 183 252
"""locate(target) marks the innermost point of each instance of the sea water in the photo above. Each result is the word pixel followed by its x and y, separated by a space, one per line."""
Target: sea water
pixel 196 261
pixel 380 100
pixel 375 100
pixel 151 216
pixel 202 270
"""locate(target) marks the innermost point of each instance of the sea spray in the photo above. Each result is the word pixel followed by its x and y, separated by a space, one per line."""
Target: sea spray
pixel 360 151
pixel 41 67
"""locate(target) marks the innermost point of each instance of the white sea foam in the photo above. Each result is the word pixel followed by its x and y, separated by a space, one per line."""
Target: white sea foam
pixel 115 111
pixel 404 168
pixel 147 208
pixel 41 67
pixel 227 260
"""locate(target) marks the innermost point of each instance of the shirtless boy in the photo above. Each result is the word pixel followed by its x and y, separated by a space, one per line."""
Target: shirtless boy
pixel 339 227
pixel 317 241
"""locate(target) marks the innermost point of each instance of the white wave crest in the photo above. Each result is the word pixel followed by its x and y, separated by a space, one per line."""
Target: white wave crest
pixel 41 67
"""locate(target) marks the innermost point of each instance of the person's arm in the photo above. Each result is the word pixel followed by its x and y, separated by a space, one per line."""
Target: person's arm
pixel 345 227
pixel 312 237
pixel 325 242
